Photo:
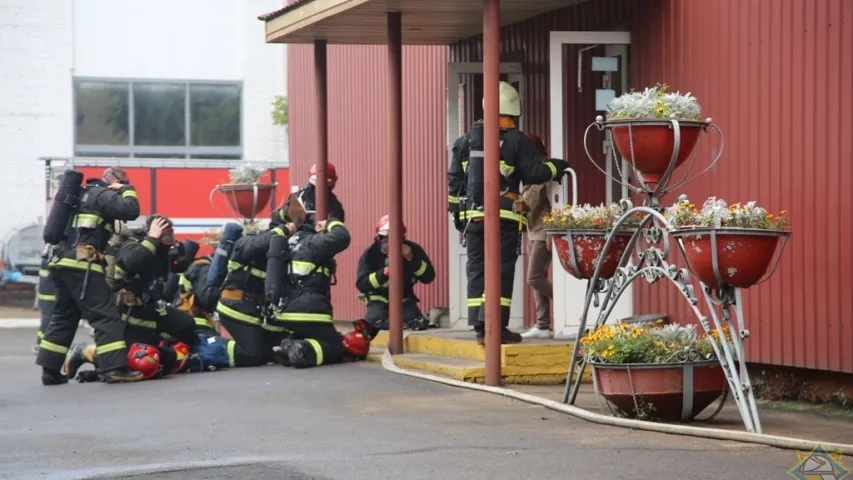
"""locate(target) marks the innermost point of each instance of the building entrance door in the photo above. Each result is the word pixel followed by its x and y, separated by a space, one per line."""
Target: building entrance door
pixel 464 106
pixel 587 70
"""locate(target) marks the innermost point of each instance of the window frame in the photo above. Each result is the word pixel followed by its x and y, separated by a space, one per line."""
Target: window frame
pixel 142 150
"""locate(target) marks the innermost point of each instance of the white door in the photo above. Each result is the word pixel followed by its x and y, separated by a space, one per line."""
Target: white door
pixel 569 292
pixel 458 93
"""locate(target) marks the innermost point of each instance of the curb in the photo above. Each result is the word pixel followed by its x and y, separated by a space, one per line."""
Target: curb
pixel 788 443
pixel 19 323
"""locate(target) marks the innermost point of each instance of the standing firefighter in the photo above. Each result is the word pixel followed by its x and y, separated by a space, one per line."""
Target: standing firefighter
pixel 520 162
pixel 79 225
pixel 46 296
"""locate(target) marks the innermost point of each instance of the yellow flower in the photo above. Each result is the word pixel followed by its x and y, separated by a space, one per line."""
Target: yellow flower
pixel 659 321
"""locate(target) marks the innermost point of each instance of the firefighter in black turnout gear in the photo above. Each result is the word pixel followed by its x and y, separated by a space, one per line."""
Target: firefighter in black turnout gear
pixel 80 223
pixel 143 263
pixel 519 162
pixel 46 296
pixel 305 315
pixel 307 197
pixel 372 280
pixel 194 295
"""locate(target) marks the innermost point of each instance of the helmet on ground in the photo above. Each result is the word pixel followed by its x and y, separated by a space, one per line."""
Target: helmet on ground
pixel 144 359
pixel 356 344
pixel 383 226
pixel 509 104
pixel 116 175
pixel 183 355
pixel 331 175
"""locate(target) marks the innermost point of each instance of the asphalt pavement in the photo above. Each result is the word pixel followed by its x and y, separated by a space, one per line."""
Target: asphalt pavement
pixel 348 422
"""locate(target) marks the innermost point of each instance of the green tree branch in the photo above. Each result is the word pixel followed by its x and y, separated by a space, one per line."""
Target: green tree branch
pixel 279 110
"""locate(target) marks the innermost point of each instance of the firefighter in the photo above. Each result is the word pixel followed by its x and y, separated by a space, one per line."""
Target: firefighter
pixel 77 270
pixel 306 316
pixel 143 263
pixel 519 162
pixel 307 196
pixel 241 300
pixel 372 280
pixel 46 297
pixel 194 296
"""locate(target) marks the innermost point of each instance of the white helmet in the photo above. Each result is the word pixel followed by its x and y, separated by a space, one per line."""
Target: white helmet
pixel 508 102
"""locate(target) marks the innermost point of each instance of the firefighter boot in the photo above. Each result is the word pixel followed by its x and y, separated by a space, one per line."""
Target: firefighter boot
pixel 280 356
pixel 52 377
pixel 298 352
pixel 122 375
pixel 78 355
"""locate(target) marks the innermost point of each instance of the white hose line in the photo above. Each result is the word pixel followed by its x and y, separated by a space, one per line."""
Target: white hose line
pixel 714 433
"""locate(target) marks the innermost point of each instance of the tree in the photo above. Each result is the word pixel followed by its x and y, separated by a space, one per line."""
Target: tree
pixel 279 110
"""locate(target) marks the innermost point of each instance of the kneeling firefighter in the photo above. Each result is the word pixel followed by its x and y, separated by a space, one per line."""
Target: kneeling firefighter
pixel 520 161
pixel 306 314
pixel 372 280
pixel 142 264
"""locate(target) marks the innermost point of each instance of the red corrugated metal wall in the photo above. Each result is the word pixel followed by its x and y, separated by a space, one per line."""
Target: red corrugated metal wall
pixel 358 129
pixel 775 76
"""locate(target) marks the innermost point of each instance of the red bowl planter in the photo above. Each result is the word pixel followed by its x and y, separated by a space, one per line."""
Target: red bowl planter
pixel 661 385
pixel 246 200
pixel 579 251
pixel 743 255
pixel 653 142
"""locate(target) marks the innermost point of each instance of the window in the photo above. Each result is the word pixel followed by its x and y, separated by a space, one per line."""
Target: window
pixel 158 119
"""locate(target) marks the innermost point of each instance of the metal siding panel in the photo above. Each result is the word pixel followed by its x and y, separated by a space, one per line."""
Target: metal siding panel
pixel 357 127
pixel 773 75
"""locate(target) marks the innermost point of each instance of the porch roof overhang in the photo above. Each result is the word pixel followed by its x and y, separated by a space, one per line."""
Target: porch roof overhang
pixel 364 22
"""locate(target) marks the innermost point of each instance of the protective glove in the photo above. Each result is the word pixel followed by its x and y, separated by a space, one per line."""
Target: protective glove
pixel 561 166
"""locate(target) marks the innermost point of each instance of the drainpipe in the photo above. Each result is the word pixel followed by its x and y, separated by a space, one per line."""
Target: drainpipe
pixel 491 194
pixel 395 182
pixel 321 200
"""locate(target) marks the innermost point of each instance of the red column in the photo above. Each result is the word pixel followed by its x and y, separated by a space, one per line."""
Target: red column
pixel 322 193
pixel 395 182
pixel 491 132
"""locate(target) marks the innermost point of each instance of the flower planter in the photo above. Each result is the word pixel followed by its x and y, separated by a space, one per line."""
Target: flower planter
pixel 653 144
pixel 678 391
pixel 579 251
pixel 739 257
pixel 246 200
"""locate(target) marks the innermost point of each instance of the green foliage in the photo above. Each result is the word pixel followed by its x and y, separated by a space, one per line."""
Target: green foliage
pixel 279 110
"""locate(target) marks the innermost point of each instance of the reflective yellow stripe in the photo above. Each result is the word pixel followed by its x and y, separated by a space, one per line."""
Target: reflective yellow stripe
pixel 232 265
pixel 118 272
pixel 226 310
pixel 305 268
pixel 507 169
pixel 318 350
pixel 422 269
pixel 475 302
pixel 165 336
pixel 333 224
pixel 139 322
pixel 40 334
pixel 303 317
pixel 186 283
pixel 552 168
pixel 77 264
pixel 452 199
pixel 110 347
pixel 278 231
pixel 129 194
pixel 506 302
pixel 374 280
pixel 464 165
pixel 201 322
pixel 47 298
pixel 86 220
pixel 231 345
pixel 44 273
pixel 273 328
pixel 150 246
pixel 52 347
pixel 376 298
pixel 505 215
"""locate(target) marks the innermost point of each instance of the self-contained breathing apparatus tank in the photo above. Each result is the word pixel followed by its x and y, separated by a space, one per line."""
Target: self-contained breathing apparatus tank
pixel 278 276
pixel 66 202
pixel 219 264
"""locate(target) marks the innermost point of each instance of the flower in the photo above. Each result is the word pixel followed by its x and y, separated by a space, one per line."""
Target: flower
pixel 246 174
pixel 717 213
pixel 648 343
pixel 585 217
pixel 655 102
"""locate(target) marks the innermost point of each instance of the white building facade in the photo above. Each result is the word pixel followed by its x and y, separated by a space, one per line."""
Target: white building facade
pixel 132 78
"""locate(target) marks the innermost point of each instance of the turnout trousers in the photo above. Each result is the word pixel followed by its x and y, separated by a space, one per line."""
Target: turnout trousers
pixel 376 313
pixel 476 271
pixel 97 306
pixel 311 344
pixel 250 344
pixel 46 306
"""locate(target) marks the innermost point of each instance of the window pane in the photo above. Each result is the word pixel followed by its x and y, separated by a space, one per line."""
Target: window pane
pixel 215 115
pixel 158 114
pixel 102 155
pixel 217 157
pixel 101 113
pixel 160 155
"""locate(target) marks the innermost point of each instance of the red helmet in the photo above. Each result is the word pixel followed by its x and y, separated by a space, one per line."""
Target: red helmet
pixel 144 359
pixel 384 225
pixel 356 344
pixel 183 352
pixel 331 175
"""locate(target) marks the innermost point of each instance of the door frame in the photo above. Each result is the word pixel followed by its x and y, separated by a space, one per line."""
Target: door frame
pixel 568 303
pixel 458 317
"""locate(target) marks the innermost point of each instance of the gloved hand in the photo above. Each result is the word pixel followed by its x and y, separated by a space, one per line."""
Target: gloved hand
pixel 561 165
pixel 231 232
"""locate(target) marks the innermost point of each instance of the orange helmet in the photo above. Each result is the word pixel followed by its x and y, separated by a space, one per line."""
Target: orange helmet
pixel 356 344
pixel 144 359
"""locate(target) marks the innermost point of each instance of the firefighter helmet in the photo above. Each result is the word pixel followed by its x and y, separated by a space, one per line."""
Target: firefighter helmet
pixel 144 359
pixel 509 104
pixel 356 344
pixel 384 225
pixel 183 357
pixel 331 175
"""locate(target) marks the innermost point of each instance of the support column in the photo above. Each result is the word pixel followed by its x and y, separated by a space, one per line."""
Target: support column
pixel 395 182
pixel 491 190
pixel 321 200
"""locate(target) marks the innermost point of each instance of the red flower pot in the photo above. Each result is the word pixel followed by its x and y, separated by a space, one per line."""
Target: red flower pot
pixel 653 144
pixel 579 251
pixel 661 385
pixel 246 199
pixel 742 255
